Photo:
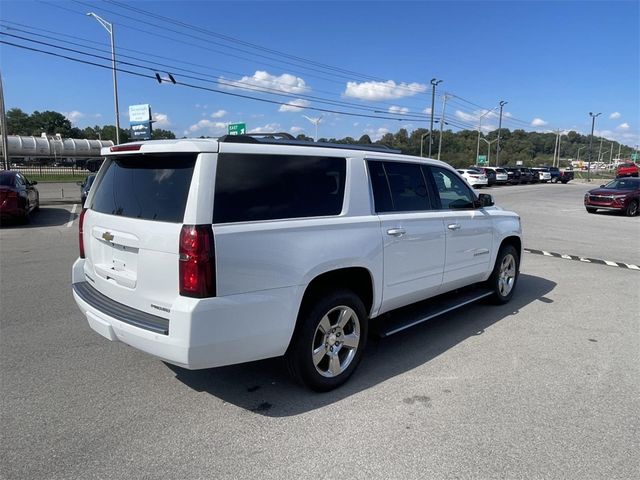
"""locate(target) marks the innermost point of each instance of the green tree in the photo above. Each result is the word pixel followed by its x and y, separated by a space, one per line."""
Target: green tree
pixel 160 134
pixel 50 122
pixel 18 122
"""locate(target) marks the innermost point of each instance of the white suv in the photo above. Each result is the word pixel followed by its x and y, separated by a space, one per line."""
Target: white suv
pixel 214 252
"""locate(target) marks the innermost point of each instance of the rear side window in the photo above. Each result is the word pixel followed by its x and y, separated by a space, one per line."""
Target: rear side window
pixel 150 187
pixel 269 187
pixel 7 180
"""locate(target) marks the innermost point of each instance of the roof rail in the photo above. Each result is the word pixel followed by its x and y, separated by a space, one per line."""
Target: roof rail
pixel 283 138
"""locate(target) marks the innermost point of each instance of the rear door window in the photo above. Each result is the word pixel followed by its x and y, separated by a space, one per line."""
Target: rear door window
pixel 251 187
pixel 398 187
pixel 149 187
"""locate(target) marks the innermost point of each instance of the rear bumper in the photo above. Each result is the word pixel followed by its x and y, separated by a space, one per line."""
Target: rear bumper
pixel 202 333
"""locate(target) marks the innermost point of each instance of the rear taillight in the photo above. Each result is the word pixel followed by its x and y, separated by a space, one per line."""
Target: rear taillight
pixel 197 261
pixel 125 148
pixel 5 194
pixel 81 232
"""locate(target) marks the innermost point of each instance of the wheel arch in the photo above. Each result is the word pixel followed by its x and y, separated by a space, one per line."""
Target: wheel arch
pixel 357 279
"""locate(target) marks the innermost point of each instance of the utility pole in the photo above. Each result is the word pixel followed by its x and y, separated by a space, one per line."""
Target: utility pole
pixel 445 97
pixel 422 140
pixel 555 148
pixel 593 123
pixel 434 83
pixel 3 122
pixel 600 150
pixel 502 104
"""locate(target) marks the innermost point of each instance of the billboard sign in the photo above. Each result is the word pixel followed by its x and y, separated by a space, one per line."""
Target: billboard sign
pixel 482 159
pixel 140 121
pixel 139 114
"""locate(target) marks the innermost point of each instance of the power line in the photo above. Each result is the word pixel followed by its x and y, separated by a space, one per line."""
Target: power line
pixel 197 87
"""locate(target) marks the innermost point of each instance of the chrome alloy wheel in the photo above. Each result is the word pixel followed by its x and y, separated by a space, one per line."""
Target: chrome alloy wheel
pixel 336 341
pixel 507 275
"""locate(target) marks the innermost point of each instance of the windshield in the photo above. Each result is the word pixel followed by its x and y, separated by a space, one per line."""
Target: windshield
pixel 6 180
pixel 623 184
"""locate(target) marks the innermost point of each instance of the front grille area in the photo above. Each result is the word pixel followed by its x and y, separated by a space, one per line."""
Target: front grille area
pixel 600 199
pixel 119 311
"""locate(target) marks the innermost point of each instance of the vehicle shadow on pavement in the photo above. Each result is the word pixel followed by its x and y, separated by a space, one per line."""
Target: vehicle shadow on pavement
pixel 45 217
pixel 263 387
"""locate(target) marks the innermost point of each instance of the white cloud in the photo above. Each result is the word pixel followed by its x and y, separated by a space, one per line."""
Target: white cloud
pixel 268 128
pixel 294 105
pixel 376 134
pixel 296 130
pixel 388 90
pixel 614 115
pixel 356 124
pixel 427 111
pixel 161 120
pixel 264 81
pixel 219 114
pixel 538 122
pixel 624 126
pixel 466 117
pixel 74 115
pixel 396 109
pixel 208 127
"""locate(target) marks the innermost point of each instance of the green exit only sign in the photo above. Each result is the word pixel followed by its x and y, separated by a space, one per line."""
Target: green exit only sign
pixel 482 159
pixel 237 128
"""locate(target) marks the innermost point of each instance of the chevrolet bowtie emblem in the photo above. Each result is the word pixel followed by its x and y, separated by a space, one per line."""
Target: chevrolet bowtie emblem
pixel 107 236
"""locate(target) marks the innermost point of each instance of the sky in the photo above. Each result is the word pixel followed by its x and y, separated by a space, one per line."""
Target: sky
pixel 364 67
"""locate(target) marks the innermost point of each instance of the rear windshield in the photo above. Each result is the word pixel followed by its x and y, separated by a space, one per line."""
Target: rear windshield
pixel 6 180
pixel 150 187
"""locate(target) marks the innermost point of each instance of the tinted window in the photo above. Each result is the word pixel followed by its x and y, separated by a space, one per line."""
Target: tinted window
pixel 6 180
pixel 268 187
pixel 408 189
pixel 380 186
pixel 452 190
pixel 151 187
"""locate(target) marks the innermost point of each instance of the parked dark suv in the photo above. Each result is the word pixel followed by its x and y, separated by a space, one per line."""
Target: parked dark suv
pixel 514 175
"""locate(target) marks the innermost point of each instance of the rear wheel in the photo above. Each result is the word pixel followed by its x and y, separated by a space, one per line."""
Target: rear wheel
pixel 632 209
pixel 329 341
pixel 591 210
pixel 505 273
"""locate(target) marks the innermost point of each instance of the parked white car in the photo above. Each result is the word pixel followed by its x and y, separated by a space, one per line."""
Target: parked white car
pixel 474 177
pixel 501 175
pixel 208 252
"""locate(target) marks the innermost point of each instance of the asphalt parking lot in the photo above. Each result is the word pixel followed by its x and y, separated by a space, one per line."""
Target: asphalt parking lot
pixel 544 387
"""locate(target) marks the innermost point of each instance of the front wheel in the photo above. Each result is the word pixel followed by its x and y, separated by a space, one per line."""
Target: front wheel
pixel 554 180
pixel 632 209
pixel 505 273
pixel 329 341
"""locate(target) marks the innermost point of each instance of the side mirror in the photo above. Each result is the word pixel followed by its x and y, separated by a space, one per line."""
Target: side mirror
pixel 601 186
pixel 33 183
pixel 486 200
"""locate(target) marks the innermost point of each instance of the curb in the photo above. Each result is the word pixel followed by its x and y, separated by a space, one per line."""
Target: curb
pixel 59 201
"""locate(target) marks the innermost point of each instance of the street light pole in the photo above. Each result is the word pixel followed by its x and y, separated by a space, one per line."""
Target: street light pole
pixel 489 148
pixel 502 104
pixel 580 148
pixel 5 133
pixel 109 28
pixel 434 83
pixel 445 97
pixel 479 129
pixel 422 140
pixel 593 123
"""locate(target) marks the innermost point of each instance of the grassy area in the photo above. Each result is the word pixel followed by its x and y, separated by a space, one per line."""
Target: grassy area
pixel 56 178
pixel 603 176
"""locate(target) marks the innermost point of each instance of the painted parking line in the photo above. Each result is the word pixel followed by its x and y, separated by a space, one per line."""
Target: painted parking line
pixel 577 258
pixel 72 215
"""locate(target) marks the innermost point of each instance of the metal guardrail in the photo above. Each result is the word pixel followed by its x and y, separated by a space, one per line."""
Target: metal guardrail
pixel 51 172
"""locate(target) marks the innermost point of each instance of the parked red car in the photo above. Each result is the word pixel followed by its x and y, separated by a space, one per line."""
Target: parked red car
pixel 621 194
pixel 18 196
pixel 627 170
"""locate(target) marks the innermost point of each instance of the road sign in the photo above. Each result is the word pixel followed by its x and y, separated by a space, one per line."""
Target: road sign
pixel 634 157
pixel 482 159
pixel 237 129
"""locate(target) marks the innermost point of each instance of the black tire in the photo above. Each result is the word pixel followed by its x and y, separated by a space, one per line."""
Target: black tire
pixel 554 180
pixel 632 209
pixel 507 264
pixel 591 210
pixel 311 339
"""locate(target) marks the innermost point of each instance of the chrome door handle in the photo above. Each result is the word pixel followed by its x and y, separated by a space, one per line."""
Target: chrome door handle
pixel 396 232
pixel 453 226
